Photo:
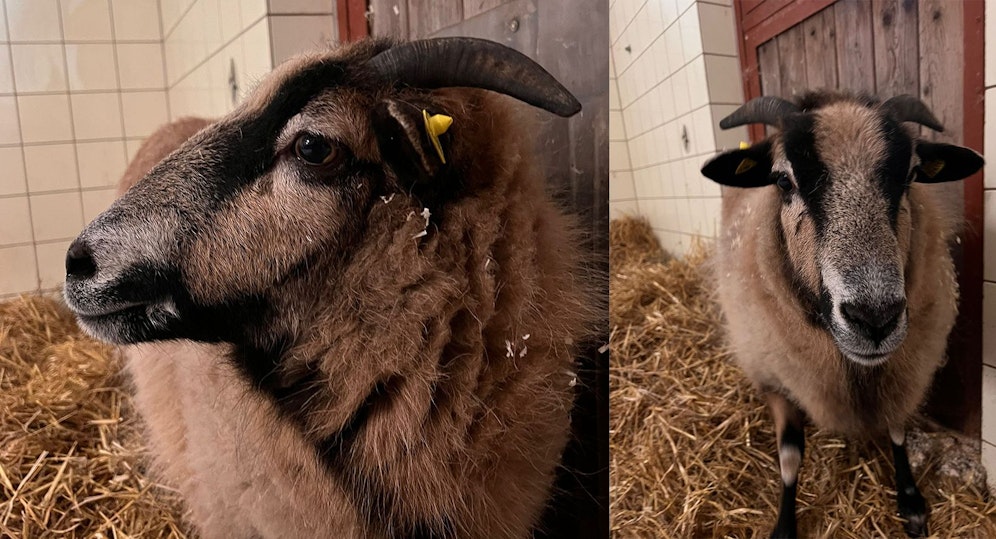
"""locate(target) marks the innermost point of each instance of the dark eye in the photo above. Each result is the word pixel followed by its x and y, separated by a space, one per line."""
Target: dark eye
pixel 315 150
pixel 783 182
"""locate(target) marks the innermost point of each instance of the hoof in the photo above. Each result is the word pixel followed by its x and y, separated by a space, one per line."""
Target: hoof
pixel 784 532
pixel 913 509
pixel 915 525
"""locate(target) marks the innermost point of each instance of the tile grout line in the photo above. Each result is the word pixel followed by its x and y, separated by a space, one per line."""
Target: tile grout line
pixel 117 78
pixel 72 128
pixel 672 74
pixel 24 160
pixel 216 52
pixel 162 54
pixel 179 19
pixel 85 92
pixel 57 192
pixel 666 28
pixel 629 23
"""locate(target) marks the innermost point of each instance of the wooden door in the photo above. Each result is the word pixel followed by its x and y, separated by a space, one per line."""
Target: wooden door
pixel 927 48
pixel 571 40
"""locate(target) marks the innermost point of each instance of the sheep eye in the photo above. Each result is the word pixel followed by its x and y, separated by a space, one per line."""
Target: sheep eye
pixel 314 150
pixel 783 182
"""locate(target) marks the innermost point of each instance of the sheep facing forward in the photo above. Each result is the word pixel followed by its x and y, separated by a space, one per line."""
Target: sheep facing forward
pixel 833 271
pixel 337 327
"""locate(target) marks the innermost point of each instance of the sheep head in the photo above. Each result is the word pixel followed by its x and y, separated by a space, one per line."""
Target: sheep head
pixel 842 167
pixel 281 188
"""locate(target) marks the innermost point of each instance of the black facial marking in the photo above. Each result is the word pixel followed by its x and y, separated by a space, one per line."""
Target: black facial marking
pixel 893 172
pixel 231 155
pixel 811 174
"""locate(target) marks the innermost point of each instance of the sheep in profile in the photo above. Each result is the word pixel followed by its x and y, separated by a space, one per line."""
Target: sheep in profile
pixel 344 320
pixel 833 271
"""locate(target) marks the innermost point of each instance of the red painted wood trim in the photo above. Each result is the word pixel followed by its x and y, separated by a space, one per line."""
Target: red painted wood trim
pixel 352 15
pixel 765 21
pixel 791 13
pixel 358 27
pixel 342 16
pixel 750 5
pixel 970 280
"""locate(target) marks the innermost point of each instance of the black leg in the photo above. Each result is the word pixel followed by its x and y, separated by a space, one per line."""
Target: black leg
pixel 912 506
pixel 789 425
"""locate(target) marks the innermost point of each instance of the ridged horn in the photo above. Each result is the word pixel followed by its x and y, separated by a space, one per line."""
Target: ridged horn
pixel 767 110
pixel 477 63
pixel 906 108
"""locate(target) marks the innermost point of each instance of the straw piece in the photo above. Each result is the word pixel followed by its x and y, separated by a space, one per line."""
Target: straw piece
pixel 72 459
pixel 692 447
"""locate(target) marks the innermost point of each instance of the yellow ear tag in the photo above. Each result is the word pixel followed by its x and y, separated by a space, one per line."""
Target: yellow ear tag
pixel 744 145
pixel 746 165
pixel 436 125
pixel 931 168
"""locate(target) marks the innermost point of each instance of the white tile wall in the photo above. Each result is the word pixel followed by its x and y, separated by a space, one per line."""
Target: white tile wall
pixel 206 39
pixel 989 257
pixel 675 82
pixel 67 70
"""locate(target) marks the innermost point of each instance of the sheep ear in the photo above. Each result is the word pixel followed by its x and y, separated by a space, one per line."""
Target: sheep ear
pixel 412 141
pixel 746 167
pixel 945 162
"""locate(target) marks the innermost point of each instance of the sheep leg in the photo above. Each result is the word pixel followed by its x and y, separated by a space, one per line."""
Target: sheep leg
pixel 789 425
pixel 912 506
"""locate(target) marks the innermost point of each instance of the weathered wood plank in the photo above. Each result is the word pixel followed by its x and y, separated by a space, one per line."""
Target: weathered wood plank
pixel 855 56
pixel 476 7
pixel 942 85
pixel 769 68
pixel 820 50
pixel 497 25
pixel 942 66
pixel 894 30
pixel 424 18
pixel 792 61
pixel 389 19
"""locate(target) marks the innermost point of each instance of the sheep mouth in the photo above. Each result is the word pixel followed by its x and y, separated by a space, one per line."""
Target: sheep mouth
pixel 122 325
pixel 867 360
pixel 110 310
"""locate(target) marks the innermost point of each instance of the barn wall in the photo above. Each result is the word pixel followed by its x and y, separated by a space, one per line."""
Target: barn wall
pixel 209 44
pixel 622 192
pixel 81 82
pixel 678 75
pixel 989 268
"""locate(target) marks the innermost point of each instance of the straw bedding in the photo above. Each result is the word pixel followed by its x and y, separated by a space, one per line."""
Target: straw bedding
pixel 693 448
pixel 71 454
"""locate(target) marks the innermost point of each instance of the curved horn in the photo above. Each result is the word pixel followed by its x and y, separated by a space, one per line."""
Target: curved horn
pixel 476 63
pixel 767 110
pixel 906 108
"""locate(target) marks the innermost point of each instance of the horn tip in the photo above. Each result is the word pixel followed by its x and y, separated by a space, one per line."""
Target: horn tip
pixel 568 109
pixel 727 123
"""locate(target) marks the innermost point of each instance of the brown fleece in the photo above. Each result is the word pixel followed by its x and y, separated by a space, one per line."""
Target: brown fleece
pixel 781 350
pixel 470 332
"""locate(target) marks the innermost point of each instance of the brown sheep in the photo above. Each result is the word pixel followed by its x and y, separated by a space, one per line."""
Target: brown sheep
pixel 833 271
pixel 334 332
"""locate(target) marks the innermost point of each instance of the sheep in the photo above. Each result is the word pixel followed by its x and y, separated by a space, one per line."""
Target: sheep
pixel 340 320
pixel 833 271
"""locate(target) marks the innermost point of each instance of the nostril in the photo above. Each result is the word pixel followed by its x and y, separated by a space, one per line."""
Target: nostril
pixel 79 261
pixel 874 321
